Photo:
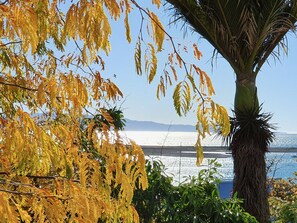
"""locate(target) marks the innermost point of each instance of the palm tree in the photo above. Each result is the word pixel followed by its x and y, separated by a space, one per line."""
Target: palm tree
pixel 245 33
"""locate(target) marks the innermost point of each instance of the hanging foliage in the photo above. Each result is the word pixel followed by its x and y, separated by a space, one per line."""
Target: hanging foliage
pixel 194 91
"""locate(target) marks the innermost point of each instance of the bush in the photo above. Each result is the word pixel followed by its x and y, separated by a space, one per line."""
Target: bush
pixel 151 203
pixel 195 200
pixel 283 200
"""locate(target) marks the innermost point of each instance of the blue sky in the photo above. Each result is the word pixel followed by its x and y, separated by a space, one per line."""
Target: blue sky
pixel 277 81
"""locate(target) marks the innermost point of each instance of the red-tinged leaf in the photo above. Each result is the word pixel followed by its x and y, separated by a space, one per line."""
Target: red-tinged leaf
pixel 197 53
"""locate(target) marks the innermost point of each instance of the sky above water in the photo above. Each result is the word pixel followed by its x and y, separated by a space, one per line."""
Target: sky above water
pixel 277 81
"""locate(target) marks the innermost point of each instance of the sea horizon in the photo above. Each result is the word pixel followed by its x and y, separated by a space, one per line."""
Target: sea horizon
pixel 176 151
pixel 184 138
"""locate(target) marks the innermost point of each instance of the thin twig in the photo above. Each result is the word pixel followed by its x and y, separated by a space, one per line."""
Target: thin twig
pixel 88 66
pixel 88 111
pixel 41 177
pixel 73 64
pixel 9 43
pixel 15 183
pixel 16 192
pixel 141 24
pixel 18 86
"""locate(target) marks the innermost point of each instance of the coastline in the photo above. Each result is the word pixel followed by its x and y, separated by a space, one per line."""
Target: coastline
pixel 209 151
pixel 180 160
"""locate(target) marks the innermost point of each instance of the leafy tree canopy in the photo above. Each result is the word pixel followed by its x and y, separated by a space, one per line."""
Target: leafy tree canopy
pixel 51 74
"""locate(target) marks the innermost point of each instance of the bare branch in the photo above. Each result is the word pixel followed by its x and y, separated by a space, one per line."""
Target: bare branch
pixel 9 43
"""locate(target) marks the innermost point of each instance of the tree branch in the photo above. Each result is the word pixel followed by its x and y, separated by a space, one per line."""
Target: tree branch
pixel 13 42
pixel 50 177
pixel 171 40
pixel 16 192
pixel 73 64
pixel 3 3
pixel 88 66
pixel 18 86
pixel 40 177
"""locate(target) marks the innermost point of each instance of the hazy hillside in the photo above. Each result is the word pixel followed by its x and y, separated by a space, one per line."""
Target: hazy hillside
pixel 132 125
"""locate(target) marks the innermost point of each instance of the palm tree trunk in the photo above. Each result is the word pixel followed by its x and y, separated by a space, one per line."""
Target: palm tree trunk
pixel 246 97
pixel 250 180
pixel 249 144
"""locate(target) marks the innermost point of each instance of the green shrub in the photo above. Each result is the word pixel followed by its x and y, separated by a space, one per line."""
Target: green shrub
pixel 151 203
pixel 195 200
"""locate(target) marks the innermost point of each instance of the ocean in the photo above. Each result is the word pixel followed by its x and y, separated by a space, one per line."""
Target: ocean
pixel 281 164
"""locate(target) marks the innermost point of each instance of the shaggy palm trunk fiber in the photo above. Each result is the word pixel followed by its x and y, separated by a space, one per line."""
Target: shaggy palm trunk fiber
pixel 250 136
pixel 250 179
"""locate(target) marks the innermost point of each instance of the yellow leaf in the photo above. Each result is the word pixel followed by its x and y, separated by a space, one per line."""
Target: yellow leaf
pixel 107 116
pixel 174 72
pixel 199 152
pixel 151 66
pixel 161 89
pixel 158 31
pixel 137 57
pixel 41 94
pixel 127 27
pixel 113 7
pixel 182 98
pixel 53 90
pixel 157 2
pixel 91 126
pixel 177 98
pixel 209 84
pixel 223 120
pixel 24 214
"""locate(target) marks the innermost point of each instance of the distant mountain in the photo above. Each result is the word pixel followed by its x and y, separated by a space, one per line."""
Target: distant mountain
pixel 132 125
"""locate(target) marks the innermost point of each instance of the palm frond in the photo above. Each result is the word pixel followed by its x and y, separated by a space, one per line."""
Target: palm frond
pixel 244 32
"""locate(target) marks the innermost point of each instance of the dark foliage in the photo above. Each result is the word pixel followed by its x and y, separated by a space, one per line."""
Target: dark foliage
pixel 118 121
pixel 250 126
pixel 195 200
